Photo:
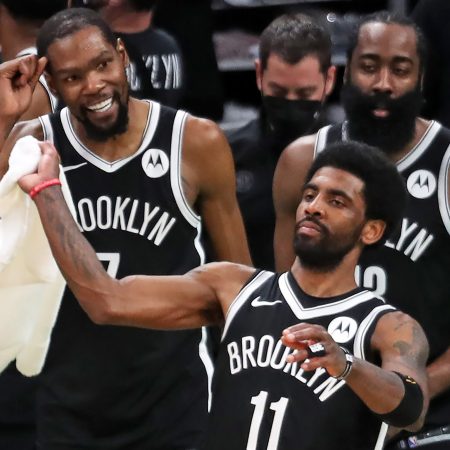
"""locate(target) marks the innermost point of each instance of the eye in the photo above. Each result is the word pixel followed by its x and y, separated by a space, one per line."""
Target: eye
pixel 70 78
pixel 337 203
pixel 368 68
pixel 308 196
pixel 103 65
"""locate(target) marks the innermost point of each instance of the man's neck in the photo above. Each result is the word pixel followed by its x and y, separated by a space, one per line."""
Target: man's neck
pixel 122 145
pixel 326 284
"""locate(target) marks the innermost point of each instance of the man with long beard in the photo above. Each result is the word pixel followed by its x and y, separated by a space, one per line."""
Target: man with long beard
pixel 382 99
pixel 142 178
pixel 308 360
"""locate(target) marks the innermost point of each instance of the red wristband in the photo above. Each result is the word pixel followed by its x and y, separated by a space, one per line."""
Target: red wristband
pixel 40 187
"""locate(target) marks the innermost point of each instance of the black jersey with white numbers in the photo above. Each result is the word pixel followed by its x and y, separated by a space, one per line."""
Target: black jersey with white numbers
pixel 412 268
pixel 262 402
pixel 108 387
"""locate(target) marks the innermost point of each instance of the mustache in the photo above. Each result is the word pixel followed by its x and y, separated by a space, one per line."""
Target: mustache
pixel 314 220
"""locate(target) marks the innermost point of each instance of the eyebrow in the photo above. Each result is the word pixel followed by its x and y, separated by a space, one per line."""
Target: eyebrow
pixel 332 191
pixel 397 59
pixel 92 62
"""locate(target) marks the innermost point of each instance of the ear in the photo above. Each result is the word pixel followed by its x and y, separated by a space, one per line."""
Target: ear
pixel 372 231
pixel 330 80
pixel 120 48
pixel 50 82
pixel 258 73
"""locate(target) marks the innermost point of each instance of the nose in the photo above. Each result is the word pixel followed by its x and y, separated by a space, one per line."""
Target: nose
pixel 315 207
pixel 383 82
pixel 93 83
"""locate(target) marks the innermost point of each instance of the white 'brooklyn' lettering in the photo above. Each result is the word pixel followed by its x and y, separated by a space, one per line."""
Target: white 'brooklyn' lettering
pixel 126 214
pixel 266 352
pixel 413 241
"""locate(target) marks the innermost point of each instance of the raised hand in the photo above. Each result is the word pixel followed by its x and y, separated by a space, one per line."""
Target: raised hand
pixel 18 79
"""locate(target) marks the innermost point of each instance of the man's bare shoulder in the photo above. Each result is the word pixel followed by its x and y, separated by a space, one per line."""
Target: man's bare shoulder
pixel 25 128
pixel 201 134
pixel 225 278
pixel 299 153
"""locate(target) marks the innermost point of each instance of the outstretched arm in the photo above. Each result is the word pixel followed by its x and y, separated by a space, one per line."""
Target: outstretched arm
pixel 403 348
pixel 197 298
pixel 18 79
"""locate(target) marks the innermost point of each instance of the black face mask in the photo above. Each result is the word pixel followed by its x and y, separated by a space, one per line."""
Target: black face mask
pixel 290 119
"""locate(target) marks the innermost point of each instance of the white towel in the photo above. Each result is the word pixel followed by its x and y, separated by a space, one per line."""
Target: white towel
pixel 31 285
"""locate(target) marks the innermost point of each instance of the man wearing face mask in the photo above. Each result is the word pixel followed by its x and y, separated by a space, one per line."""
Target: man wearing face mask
pixel 294 75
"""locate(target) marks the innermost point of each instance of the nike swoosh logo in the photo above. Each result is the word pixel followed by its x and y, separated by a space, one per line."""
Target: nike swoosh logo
pixel 257 302
pixel 67 168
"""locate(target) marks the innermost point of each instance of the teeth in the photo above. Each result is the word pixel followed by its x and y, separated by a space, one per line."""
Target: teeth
pixel 102 106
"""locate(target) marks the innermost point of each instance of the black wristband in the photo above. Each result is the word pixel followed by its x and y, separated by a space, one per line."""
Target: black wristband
pixel 410 407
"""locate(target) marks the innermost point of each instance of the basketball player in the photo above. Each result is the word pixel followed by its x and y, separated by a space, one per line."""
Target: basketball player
pixel 142 176
pixel 382 99
pixel 267 395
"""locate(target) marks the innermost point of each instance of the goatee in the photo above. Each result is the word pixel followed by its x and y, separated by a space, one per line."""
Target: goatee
pixel 391 133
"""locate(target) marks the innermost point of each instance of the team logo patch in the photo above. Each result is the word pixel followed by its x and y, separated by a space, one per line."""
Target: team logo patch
pixel 155 163
pixel 342 329
pixel 421 184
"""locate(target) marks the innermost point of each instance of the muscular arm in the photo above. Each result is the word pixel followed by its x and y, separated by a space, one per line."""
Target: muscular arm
pixel 403 348
pixel 210 186
pixel 288 180
pixel 439 374
pixel 200 297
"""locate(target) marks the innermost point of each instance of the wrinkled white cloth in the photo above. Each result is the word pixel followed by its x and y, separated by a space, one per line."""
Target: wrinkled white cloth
pixel 31 285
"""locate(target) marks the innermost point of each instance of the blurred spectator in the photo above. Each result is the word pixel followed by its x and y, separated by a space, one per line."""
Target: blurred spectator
pixel 191 23
pixel 433 17
pixel 294 75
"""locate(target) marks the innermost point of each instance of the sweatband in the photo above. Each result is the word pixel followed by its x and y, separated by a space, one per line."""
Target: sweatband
pixel 410 407
pixel 45 184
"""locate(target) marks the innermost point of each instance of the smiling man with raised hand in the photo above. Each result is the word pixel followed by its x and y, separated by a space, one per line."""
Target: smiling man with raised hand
pixel 382 98
pixel 350 362
pixel 143 179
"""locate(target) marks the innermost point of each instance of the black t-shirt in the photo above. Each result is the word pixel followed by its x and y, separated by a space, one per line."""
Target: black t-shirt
pixel 156 68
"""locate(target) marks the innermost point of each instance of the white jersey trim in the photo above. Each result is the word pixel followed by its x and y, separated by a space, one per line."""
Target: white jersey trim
pixel 243 296
pixel 443 187
pixel 361 334
pixel 381 436
pixel 418 150
pixel 47 128
pixel 175 169
pixel 100 163
pixel 303 313
pixel 207 362
pixel 321 140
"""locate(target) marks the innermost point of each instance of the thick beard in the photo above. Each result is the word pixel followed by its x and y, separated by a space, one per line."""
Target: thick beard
pixel 120 126
pixel 390 134
pixel 325 255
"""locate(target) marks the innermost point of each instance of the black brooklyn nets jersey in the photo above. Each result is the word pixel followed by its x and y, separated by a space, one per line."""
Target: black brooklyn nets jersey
pixel 107 387
pixel 412 269
pixel 260 401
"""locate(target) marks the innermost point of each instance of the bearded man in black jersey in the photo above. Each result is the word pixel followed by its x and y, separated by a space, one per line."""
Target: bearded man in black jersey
pixel 350 362
pixel 145 180
pixel 382 98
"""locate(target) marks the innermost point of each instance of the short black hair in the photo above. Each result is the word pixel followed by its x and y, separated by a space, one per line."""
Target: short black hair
pixel 389 18
pixel 384 188
pixel 68 22
pixel 293 37
pixel 33 10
